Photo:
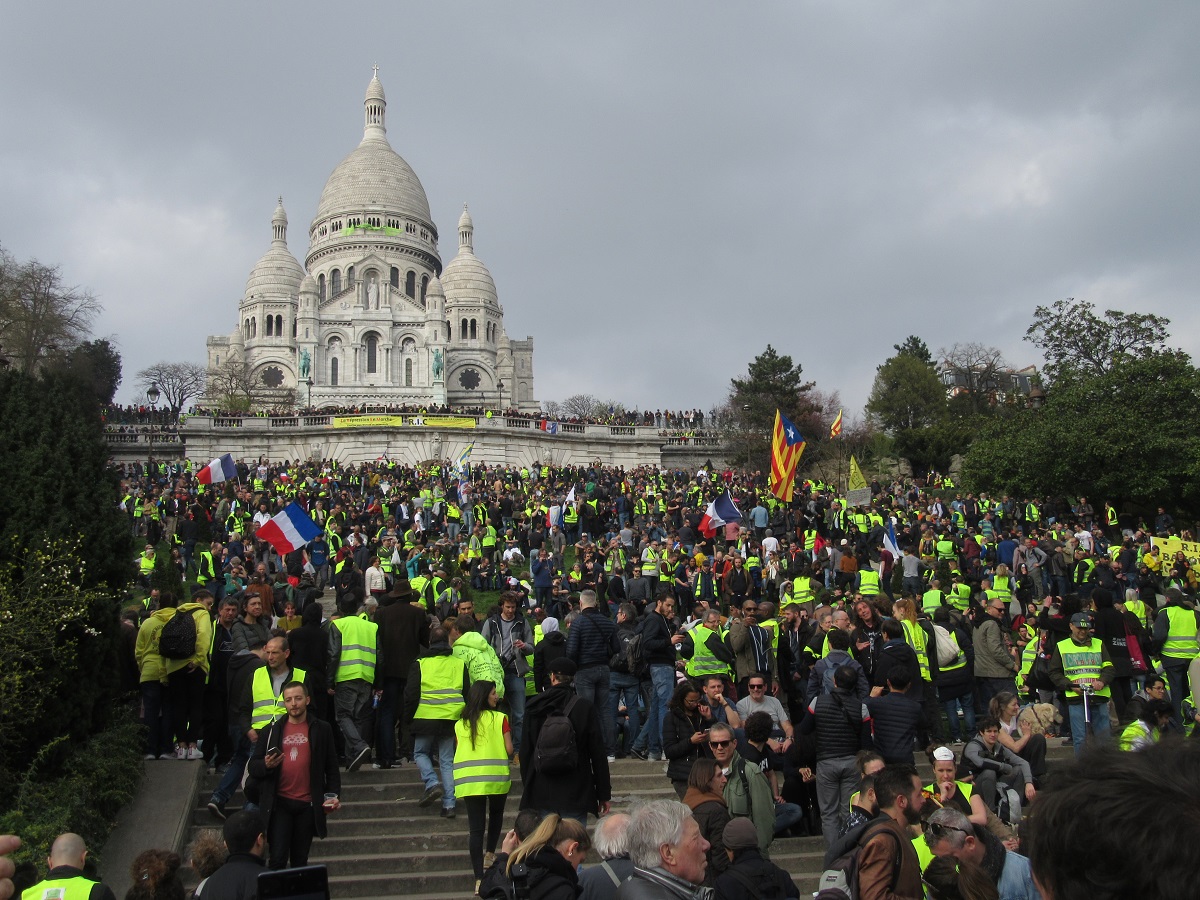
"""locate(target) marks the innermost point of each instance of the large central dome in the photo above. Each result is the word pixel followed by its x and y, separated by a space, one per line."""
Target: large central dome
pixel 373 174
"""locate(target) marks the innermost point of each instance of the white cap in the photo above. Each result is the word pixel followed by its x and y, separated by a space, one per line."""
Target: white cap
pixel 943 754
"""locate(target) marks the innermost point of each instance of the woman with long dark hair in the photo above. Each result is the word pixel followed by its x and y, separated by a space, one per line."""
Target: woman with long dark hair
pixel 705 797
pixel 481 770
pixel 683 734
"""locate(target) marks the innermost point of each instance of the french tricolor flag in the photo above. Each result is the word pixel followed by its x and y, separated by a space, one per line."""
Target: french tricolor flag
pixel 719 512
pixel 220 469
pixel 289 530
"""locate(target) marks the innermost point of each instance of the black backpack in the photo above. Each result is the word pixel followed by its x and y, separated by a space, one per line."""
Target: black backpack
pixel 177 640
pixel 840 880
pixel 628 659
pixel 556 752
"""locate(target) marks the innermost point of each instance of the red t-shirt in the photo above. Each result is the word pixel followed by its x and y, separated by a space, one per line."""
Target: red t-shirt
pixel 295 772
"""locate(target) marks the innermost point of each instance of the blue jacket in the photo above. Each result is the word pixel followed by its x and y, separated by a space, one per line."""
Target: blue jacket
pixel 592 640
pixel 543 572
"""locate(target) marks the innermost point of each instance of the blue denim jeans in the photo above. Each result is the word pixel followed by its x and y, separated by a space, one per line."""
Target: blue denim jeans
pixel 662 680
pixel 423 745
pixel 514 696
pixel 787 815
pixel 592 684
pixel 624 688
pixel 1101 729
pixel 968 707
pixel 236 768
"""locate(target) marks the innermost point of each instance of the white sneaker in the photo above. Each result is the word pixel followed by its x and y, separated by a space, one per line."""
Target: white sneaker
pixel 612 759
pixel 149 756
pixel 181 752
pixel 194 753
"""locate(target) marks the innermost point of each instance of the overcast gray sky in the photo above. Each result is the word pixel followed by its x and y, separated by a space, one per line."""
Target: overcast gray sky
pixel 659 189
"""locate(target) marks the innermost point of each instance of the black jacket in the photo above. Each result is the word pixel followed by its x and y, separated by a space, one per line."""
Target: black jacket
pixel 894 720
pixel 657 649
pixel 549 876
pixel 324 775
pixel 550 648
pixel 837 720
pixel 237 879
pixel 403 631
pixel 576 792
pixel 751 877
pixel 677 731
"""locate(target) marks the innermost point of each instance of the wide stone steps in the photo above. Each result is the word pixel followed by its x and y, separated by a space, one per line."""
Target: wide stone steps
pixel 383 844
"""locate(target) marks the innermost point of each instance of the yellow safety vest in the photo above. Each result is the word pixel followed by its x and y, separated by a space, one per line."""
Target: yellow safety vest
pixel 481 768
pixel 915 635
pixel 868 582
pixel 1002 585
pixel 1181 633
pixel 703 662
pixel 441 688
pixel 802 589
pixel 265 705
pixel 77 888
pixel 1083 663
pixel 357 659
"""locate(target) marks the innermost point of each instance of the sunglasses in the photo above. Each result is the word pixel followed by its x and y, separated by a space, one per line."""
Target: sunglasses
pixel 756 687
pixel 718 744
pixel 937 829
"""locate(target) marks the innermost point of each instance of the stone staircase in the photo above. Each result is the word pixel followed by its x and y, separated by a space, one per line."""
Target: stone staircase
pixel 382 844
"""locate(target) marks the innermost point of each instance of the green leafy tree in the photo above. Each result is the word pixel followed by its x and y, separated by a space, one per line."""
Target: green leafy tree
pixel 165 576
pixel 773 381
pixel 906 395
pixel 1077 343
pixel 96 365
pixel 1126 436
pixel 915 347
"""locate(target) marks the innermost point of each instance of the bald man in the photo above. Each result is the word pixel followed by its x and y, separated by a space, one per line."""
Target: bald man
pixel 65 879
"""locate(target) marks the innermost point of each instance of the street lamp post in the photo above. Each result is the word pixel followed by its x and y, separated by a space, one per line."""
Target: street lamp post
pixel 152 395
pixel 500 388
pixel 309 383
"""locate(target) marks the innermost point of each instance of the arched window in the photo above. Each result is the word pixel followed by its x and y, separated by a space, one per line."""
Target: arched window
pixel 333 371
pixel 424 287
pixel 408 373
pixel 270 325
pixel 254 326
pixel 449 330
pixel 462 330
pixel 279 326
pixel 335 283
pixel 246 330
pixel 372 353
pixel 410 283
pixel 294 328
pixel 474 334
pixel 394 278
pixel 350 277
pixel 321 287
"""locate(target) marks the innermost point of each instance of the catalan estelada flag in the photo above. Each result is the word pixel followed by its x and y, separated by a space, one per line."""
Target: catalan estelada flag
pixel 786 446
pixel 836 428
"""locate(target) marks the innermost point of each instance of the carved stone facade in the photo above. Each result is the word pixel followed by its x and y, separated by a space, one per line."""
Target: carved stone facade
pixel 372 316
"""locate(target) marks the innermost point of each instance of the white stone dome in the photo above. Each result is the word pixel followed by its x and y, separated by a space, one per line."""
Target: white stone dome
pixel 277 273
pixel 373 175
pixel 466 278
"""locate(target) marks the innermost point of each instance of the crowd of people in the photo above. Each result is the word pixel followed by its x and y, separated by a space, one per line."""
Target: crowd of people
pixel 787 666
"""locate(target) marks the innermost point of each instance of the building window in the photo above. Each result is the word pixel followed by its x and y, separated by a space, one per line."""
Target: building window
pixel 462 330
pixel 350 277
pixel 410 283
pixel 335 283
pixel 449 330
pixel 424 288
pixel 372 353
pixel 408 373
pixel 294 329
pixel 321 287
pixel 333 372
pixel 254 326
pixel 270 325
pixel 474 333
pixel 394 278
pixel 279 326
pixel 217 361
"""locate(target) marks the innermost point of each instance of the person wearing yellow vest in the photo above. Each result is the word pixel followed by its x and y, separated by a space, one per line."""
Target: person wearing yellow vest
pixel 868 583
pixel 434 698
pixel 353 653
pixel 65 880
pixel 705 650
pixel 256 699
pixel 1081 666
pixel 481 772
pixel 1175 633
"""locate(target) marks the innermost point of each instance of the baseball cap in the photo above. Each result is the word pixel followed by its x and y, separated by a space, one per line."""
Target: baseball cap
pixel 1081 619
pixel 943 754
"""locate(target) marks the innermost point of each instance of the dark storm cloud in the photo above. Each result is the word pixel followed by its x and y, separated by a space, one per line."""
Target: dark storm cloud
pixel 658 189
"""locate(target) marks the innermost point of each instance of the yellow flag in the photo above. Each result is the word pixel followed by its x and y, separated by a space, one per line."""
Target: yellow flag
pixel 857 481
